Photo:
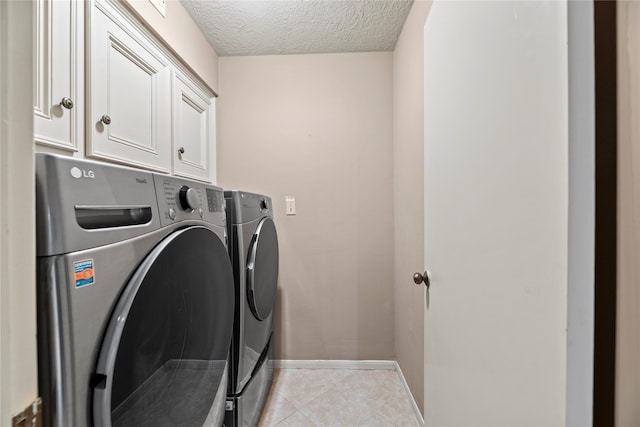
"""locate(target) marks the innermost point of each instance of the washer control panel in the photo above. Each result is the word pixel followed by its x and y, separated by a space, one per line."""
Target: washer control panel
pixel 180 199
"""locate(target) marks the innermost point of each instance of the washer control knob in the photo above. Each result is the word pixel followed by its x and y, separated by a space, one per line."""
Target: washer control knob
pixel 188 199
pixel 172 213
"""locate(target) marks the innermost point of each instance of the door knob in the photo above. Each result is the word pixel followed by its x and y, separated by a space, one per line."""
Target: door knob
pixel 105 119
pixel 66 103
pixel 420 278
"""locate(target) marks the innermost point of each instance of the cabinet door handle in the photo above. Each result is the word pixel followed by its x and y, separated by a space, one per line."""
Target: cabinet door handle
pixel 180 152
pixel 67 103
pixel 105 119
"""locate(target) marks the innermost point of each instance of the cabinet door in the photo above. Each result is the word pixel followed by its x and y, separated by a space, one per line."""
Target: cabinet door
pixel 58 73
pixel 130 91
pixel 193 130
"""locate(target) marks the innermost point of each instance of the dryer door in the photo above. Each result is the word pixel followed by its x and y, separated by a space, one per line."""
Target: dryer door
pixel 262 269
pixel 163 360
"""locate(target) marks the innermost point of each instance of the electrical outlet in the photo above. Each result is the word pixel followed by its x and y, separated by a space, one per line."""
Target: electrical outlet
pixel 290 203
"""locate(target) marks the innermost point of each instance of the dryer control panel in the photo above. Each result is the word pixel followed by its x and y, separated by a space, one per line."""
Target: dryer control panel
pixel 180 199
pixel 247 206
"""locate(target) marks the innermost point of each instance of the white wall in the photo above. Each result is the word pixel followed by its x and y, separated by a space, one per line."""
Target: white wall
pixel 319 127
pixel 18 364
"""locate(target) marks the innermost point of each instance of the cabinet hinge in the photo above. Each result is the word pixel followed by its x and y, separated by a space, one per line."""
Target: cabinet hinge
pixel 30 417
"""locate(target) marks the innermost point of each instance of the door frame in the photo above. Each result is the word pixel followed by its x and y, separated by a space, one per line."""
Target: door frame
pixel 582 214
pixel 606 202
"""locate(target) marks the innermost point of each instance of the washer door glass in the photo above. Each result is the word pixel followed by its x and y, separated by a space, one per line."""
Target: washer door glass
pixel 262 269
pixel 163 359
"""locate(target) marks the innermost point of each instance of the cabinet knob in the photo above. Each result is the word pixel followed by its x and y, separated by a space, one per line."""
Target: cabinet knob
pixel 180 152
pixel 67 103
pixel 105 119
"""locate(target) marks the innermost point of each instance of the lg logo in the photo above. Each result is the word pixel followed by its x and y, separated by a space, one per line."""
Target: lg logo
pixel 81 173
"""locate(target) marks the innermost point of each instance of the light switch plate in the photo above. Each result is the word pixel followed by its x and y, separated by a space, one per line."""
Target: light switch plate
pixel 290 203
pixel 161 6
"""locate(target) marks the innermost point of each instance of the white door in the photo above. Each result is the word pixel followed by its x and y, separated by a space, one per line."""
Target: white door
pixel 193 134
pixel 496 200
pixel 58 70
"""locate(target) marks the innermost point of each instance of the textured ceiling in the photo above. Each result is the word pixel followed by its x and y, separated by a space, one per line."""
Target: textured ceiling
pixel 277 27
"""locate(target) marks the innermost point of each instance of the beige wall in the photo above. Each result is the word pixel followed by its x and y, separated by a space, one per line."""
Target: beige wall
pixel 628 335
pixel 408 124
pixel 18 364
pixel 180 33
pixel 319 127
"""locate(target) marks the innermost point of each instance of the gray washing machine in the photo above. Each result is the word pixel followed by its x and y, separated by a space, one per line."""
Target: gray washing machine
pixel 253 248
pixel 135 297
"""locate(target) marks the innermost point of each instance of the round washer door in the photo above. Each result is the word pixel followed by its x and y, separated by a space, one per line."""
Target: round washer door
pixel 163 360
pixel 262 269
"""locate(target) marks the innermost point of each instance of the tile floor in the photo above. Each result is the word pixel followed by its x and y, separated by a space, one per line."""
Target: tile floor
pixel 337 398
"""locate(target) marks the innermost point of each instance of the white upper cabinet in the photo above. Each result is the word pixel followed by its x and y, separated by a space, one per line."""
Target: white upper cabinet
pixel 58 91
pixel 131 101
pixel 130 95
pixel 193 130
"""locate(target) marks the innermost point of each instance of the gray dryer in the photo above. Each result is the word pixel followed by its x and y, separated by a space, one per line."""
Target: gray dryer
pixel 253 248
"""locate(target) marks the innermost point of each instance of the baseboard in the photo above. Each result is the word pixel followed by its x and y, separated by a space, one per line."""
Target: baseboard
pixel 335 364
pixel 390 365
pixel 414 405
